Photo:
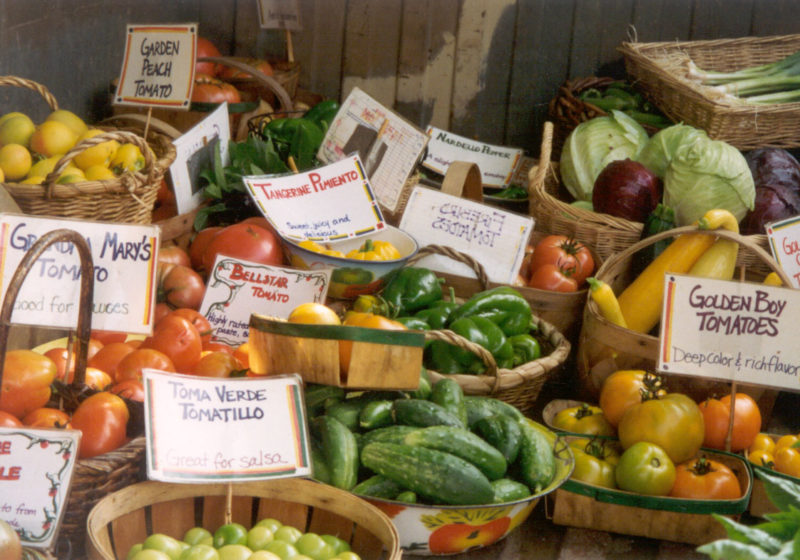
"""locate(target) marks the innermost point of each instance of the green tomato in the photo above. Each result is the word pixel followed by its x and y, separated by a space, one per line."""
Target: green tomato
pixel 264 555
pixel 288 534
pixel 230 533
pixel 258 537
pixel 591 466
pixel 583 419
pixel 198 535
pixel 645 468
pixel 347 555
pixel 314 546
pixel 282 549
pixel 171 546
pixel 151 554
pixel 135 549
pixel 338 545
pixel 200 552
pixel 234 552
pixel 270 523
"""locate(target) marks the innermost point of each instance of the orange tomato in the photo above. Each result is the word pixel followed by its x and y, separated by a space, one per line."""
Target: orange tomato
pixel 102 419
pixel 242 353
pixel 27 376
pixel 46 417
pixel 313 313
pixel 623 389
pixel 109 357
pixel 198 320
pixel 97 379
pixel 367 320
pixel 762 442
pixel 131 366
pixel 107 337
pixel 130 389
pixel 746 421
pixel 217 364
pixel 705 479
pixel 8 420
pixel 178 338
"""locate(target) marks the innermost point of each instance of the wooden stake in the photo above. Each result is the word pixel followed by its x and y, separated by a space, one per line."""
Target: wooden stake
pixel 229 503
pixel 289 46
pixel 292 164
pixel 147 122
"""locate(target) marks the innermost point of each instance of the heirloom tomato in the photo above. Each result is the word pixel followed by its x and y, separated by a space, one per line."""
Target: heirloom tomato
pixel 173 254
pixel 705 479
pixel 130 389
pixel 314 313
pixel 592 464
pixel 746 421
pixel 787 440
pixel 182 286
pixel 645 468
pixel 107 337
pixel 623 389
pixel 179 339
pixel 102 419
pixel 10 543
pixel 243 241
pixel 787 461
pixel 566 253
pixel 206 49
pixel 27 376
pixel 218 364
pixel 761 458
pixel 673 422
pixel 208 89
pixel 762 442
pixel 199 243
pixel 46 417
pixel 8 420
pixel 198 320
pixel 110 356
pixel 132 365
pixel 583 419
pixel 553 277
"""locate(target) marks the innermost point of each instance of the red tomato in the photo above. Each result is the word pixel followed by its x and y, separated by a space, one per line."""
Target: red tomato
pixel 705 479
pixel 198 320
pixel 178 338
pixel 244 241
pixel 131 366
pixel 8 420
pixel 173 254
pixel 46 417
pixel 164 212
pixel 27 376
pixel 102 419
pixel 109 356
pixel 130 389
pixel 161 311
pixel 60 356
pixel 165 194
pixel 746 421
pixel 210 90
pixel 260 221
pixel 217 364
pixel 206 49
pixel 107 337
pixel 182 287
pixel 568 254
pixel 554 278
pixel 199 243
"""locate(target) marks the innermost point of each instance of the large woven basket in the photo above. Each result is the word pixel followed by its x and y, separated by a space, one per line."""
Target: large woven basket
pixel 659 70
pixel 126 517
pixel 93 477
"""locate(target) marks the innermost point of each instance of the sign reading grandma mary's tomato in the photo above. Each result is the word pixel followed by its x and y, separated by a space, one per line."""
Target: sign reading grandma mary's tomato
pixel 735 331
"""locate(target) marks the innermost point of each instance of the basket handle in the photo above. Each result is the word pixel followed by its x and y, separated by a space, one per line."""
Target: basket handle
pixel 463 179
pixel 280 93
pixel 155 123
pixel 30 84
pixel 433 249
pixel 446 335
pixel 84 327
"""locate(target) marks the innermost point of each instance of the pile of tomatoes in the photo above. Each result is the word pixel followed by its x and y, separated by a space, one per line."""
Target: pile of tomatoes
pixel 558 263
pixel 659 436
pixel 780 453
pixel 210 81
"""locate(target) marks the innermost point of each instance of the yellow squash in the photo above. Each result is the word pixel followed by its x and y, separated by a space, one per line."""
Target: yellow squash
pixel 606 301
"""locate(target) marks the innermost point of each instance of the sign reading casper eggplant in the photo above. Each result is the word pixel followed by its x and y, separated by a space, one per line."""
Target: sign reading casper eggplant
pixel 495 238
pixel 36 467
pixel 497 163
pixel 237 288
pixel 331 202
pixel 734 331
pixel 201 429
pixel 784 242
pixel 123 255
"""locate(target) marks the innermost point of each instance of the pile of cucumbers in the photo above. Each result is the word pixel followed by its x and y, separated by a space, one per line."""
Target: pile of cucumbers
pixel 434 445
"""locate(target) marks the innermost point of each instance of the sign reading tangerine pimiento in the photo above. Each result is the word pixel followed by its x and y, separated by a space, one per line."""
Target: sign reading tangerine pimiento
pixel 158 66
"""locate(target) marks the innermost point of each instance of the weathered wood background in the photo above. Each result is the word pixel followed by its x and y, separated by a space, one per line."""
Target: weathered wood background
pixel 485 69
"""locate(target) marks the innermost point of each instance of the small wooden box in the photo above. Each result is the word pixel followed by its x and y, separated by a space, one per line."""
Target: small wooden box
pixel 380 359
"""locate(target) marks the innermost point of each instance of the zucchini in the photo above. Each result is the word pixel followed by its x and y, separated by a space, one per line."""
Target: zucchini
pixel 340 449
pixel 378 486
pixel 421 413
pixel 375 414
pixel 508 490
pixel 390 434
pixel 448 393
pixel 536 462
pixel 438 476
pixel 481 407
pixel 503 432
pixel 461 443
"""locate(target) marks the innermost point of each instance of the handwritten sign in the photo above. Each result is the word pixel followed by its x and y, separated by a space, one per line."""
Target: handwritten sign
pixel 205 429
pixel 325 204
pixel 734 331
pixel 496 238
pixel 279 14
pixel 35 475
pixel 195 152
pixel 784 242
pixel 238 288
pixel 124 256
pixel 158 66
pixel 389 146
pixel 497 163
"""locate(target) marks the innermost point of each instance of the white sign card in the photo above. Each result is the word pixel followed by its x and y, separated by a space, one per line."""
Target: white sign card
pixel 201 429
pixel 496 238
pixel 279 14
pixel 124 257
pixel 36 467
pixel 158 66
pixel 195 153
pixel 497 163
pixel 327 203
pixel 237 288
pixel 734 331
pixel 389 146
pixel 784 242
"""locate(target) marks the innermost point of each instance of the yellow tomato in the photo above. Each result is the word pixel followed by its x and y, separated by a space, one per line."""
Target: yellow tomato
pixel 314 314
pixel 785 441
pixel 763 442
pixel 128 157
pixel 787 461
pixel 761 458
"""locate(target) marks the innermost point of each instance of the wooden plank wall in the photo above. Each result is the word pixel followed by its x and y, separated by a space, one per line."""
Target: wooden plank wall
pixel 485 69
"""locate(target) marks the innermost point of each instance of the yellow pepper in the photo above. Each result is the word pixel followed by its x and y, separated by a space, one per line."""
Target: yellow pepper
pixel 375 251
pixel 606 301
pixel 772 279
pixel 317 248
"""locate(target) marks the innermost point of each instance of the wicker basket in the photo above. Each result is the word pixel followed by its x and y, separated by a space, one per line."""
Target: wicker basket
pixel 93 477
pixel 126 517
pixel 659 70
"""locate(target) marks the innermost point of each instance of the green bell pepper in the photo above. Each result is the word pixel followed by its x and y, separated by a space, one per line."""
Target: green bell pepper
pixel 502 305
pixel 323 113
pixel 410 289
pixel 438 314
pixel 526 349
pixel 306 140
pixel 476 329
pixel 414 323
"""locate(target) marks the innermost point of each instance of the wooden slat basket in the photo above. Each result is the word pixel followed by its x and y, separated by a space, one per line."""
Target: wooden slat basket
pixel 127 516
pixel 660 71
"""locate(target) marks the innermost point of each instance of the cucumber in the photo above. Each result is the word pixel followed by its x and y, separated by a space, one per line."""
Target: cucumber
pixel 390 434
pixel 319 468
pixel 407 497
pixel 316 395
pixel 376 414
pixel 340 449
pixel 421 413
pixel 508 490
pixel 438 476
pixel 378 486
pixel 448 393
pixel 481 407
pixel 536 462
pixel 347 412
pixel 503 432
pixel 424 389
pixel 461 443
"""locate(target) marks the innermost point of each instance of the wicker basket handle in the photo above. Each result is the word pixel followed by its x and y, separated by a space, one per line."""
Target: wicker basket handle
pixel 280 93
pixel 30 84
pixel 120 136
pixel 142 120
pixel 539 173
pixel 84 327
pixel 446 335
pixel 458 256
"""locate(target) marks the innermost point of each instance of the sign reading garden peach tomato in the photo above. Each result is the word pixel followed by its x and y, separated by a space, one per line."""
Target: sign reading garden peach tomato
pixel 734 331
pixel 238 288
pixel 36 469
pixel 784 242
pixel 123 256
pixel 202 429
